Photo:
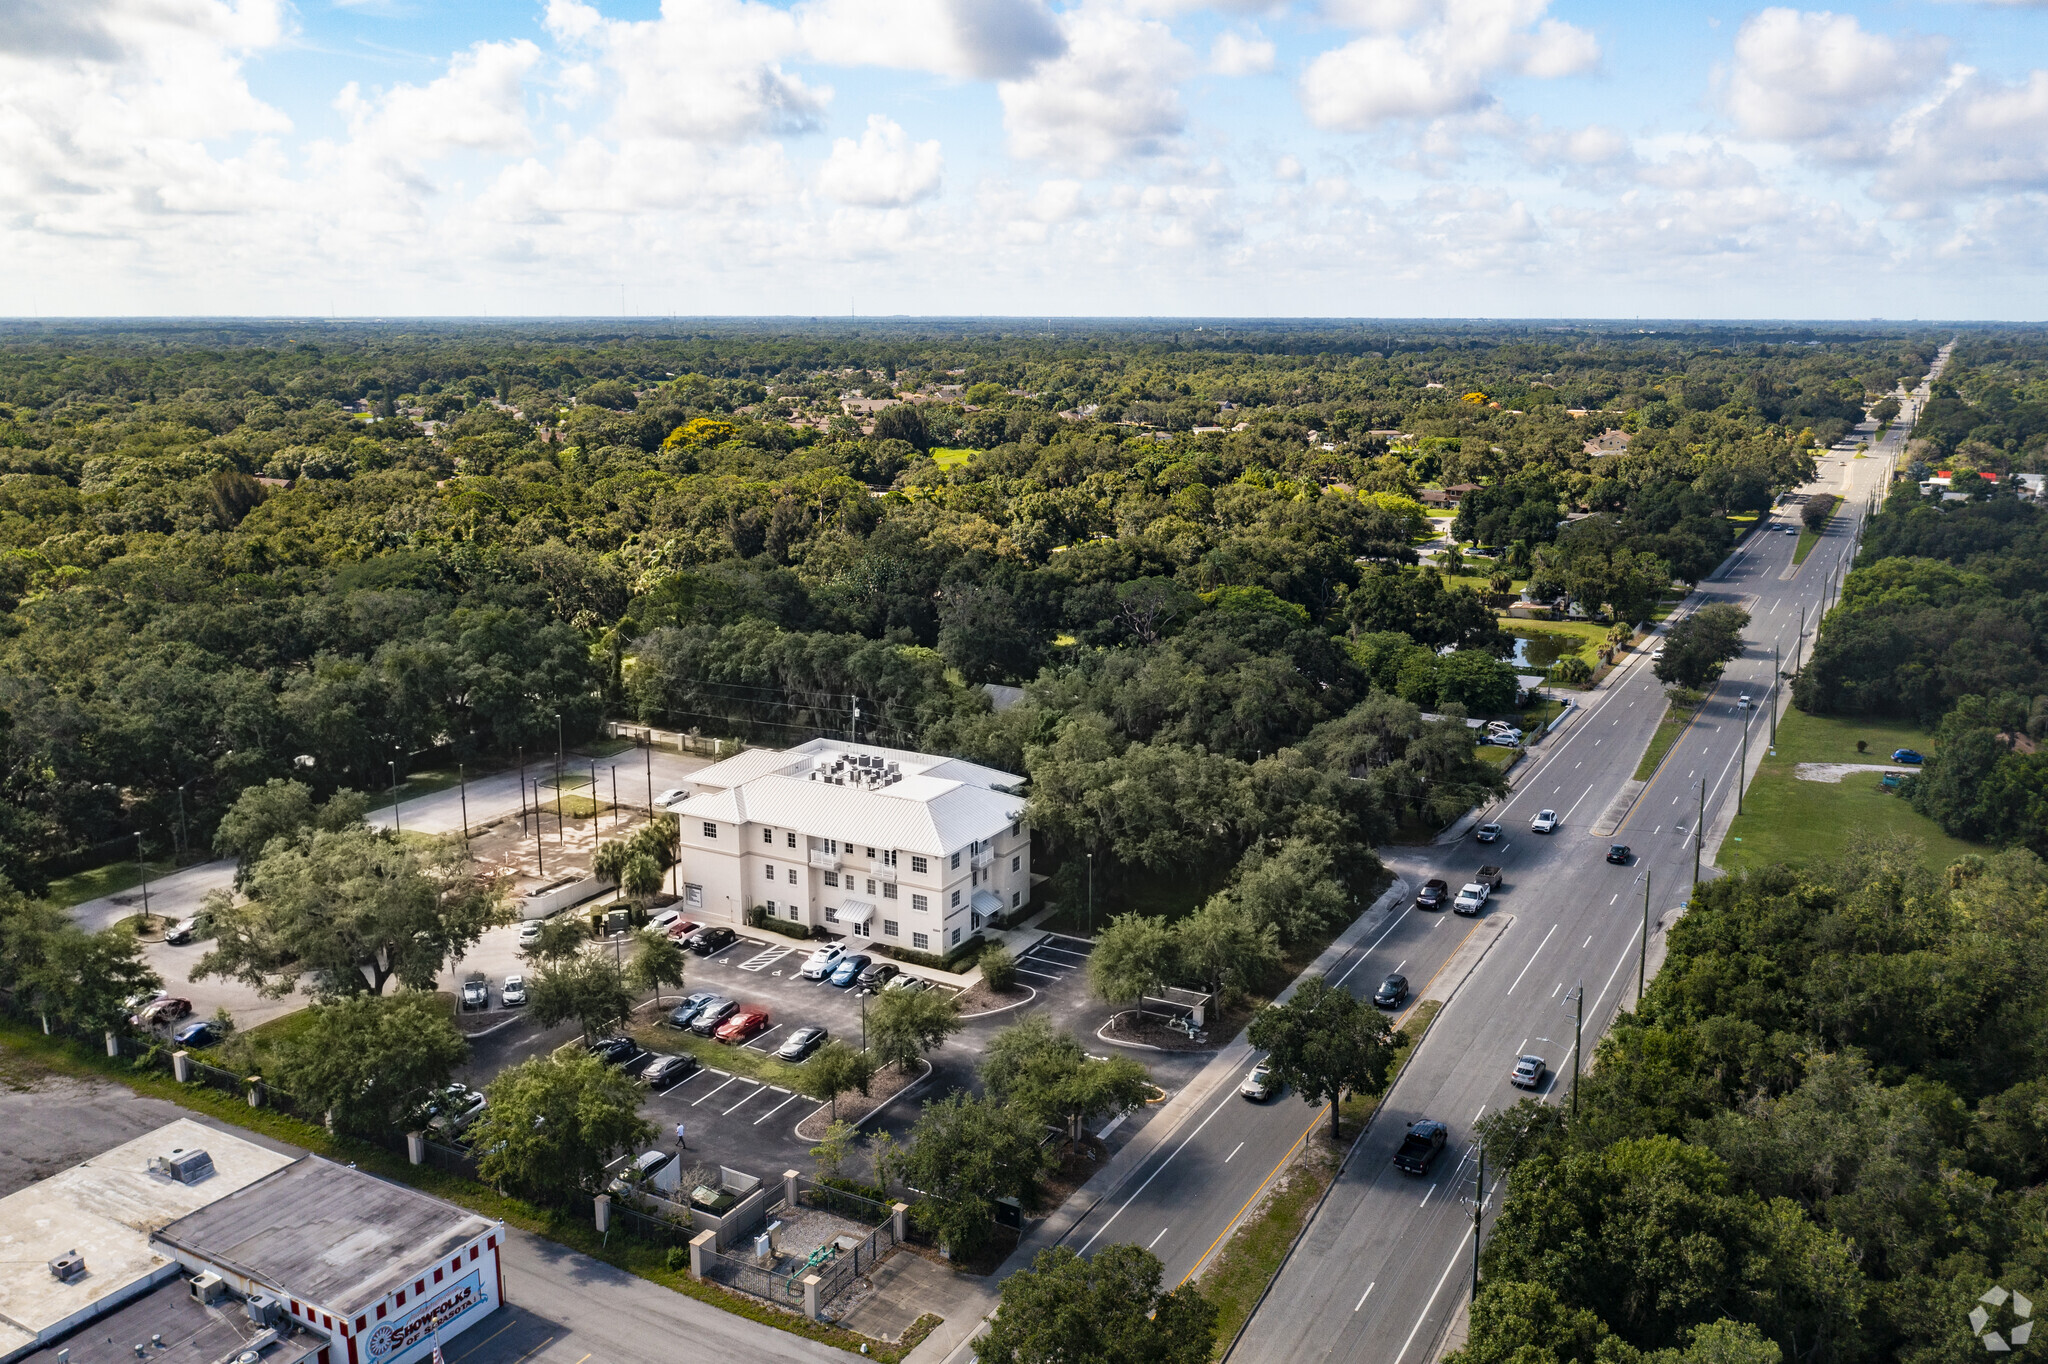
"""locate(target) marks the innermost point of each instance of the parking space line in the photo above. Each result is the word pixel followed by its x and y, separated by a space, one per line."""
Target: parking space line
pixel 764 1036
pixel 700 1099
pixel 743 1102
pixel 1063 951
pixel 1027 971
pixel 777 1109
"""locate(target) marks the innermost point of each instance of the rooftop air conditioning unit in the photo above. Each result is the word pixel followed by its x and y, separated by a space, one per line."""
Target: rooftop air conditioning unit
pixel 68 1267
pixel 265 1310
pixel 208 1287
pixel 187 1167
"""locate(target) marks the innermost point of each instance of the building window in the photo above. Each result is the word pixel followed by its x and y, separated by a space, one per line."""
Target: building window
pixel 956 937
pixel 889 928
pixel 768 837
pixel 1016 863
pixel 831 845
pixel 792 912
pixel 888 890
pixel 871 852
pixel 871 884
pixel 770 869
pixel 1016 898
pixel 974 920
pixel 1015 827
pixel 956 899
pixel 921 941
pixel 919 903
pixel 792 876
pixel 437 1274
pixel 710 830
pixel 917 864
pixel 771 906
pixel 956 861
pixel 831 915
pixel 792 840
pixel 401 1297
pixel 889 858
pixel 832 878
pixel 693 895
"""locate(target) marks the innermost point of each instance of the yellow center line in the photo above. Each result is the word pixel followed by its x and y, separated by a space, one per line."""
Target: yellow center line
pixel 1232 1223
pixel 1409 1012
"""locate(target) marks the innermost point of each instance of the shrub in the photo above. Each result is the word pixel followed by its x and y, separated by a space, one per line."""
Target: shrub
pixel 998 967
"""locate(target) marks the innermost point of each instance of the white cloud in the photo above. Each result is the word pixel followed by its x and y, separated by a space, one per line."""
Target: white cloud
pixel 885 169
pixel 478 106
pixel 1112 95
pixel 1812 77
pixel 1288 171
pixel 1234 54
pixel 1431 58
pixel 986 39
pixel 1974 136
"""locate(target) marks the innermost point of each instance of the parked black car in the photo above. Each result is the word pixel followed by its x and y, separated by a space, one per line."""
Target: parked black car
pixel 801 1043
pixel 622 1052
pixel 879 975
pixel 710 938
pixel 664 1071
pixel 714 1012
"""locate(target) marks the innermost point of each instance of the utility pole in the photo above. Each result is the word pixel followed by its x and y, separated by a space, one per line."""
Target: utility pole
pixel 1699 833
pixel 1643 962
pixel 1774 694
pixel 522 788
pixel 1478 1210
pixel 1091 893
pixel 1742 772
pixel 540 858
pixel 647 749
pixel 184 834
pixel 558 771
pixel 593 800
pixel 394 797
pixel 142 867
pixel 615 795
pixel 1578 1040
pixel 462 783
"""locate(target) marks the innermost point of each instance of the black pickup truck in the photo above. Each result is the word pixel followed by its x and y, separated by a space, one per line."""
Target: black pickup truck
pixel 1420 1146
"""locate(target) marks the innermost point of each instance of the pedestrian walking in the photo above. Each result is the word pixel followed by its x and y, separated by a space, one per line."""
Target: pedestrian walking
pixel 682 1138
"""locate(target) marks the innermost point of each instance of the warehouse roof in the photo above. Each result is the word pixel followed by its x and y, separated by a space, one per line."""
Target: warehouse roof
pixel 327 1232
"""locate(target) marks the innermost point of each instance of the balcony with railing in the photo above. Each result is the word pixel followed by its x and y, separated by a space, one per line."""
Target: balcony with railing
pixel 829 861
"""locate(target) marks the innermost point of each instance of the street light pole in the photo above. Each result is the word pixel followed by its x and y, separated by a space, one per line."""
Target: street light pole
pixel 462 782
pixel 647 748
pixel 1478 1209
pixel 142 867
pixel 1775 679
pixel 1742 772
pixel 615 795
pixel 1091 894
pixel 540 858
pixel 522 788
pixel 1643 962
pixel 184 834
pixel 394 797
pixel 1699 832
pixel 1578 1040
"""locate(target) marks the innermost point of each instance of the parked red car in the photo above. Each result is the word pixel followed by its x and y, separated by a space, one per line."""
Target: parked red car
pixel 747 1020
pixel 682 928
pixel 163 1009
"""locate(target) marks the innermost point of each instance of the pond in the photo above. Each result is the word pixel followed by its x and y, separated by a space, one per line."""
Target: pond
pixel 1535 652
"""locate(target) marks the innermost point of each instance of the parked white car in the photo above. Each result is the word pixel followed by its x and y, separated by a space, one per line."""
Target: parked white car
pixel 822 962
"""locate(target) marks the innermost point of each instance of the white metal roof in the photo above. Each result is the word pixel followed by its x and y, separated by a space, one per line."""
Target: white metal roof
pixel 928 805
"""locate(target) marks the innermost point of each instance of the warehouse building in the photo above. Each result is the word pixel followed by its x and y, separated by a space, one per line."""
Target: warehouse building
pixel 302 1260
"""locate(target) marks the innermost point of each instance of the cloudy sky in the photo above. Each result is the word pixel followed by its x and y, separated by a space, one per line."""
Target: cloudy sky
pixel 1608 158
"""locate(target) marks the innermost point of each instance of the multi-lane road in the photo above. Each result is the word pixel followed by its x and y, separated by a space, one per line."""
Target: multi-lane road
pixel 1385 1263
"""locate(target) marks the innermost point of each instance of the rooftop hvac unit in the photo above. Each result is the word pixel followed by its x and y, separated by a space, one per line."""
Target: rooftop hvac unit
pixel 265 1310
pixel 208 1287
pixel 68 1267
pixel 187 1167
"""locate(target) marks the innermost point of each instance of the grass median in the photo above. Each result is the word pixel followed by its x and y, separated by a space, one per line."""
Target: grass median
pixel 1809 538
pixel 1237 1277
pixel 747 1062
pixel 1676 718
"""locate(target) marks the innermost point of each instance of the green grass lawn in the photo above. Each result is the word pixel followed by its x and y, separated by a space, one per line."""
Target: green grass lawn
pixel 1495 754
pixel 1668 729
pixel 94 882
pixel 747 1061
pixel 424 782
pixel 946 458
pixel 1808 539
pixel 1787 820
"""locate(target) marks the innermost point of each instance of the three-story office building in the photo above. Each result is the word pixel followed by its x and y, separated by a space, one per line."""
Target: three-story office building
pixel 906 848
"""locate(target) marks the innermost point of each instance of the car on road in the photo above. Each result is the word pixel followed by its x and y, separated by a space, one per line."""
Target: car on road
pixel 671 796
pixel 161 1010
pixel 1528 1072
pixel 1619 854
pixel 476 994
pixel 801 1043
pixel 1472 896
pixel 742 1024
pixel 1392 991
pixel 529 932
pixel 1486 833
pixel 200 1032
pixel 711 938
pixel 622 1052
pixel 1419 1148
pixel 664 1072
pixel 849 967
pixel 711 1014
pixel 1259 1084
pixel 1433 893
pixel 878 976
pixel 1906 755
pixel 685 1013
pixel 682 928
pixel 1546 822
pixel 182 932
pixel 908 982
pixel 1742 703
pixel 822 963
pixel 1791 530
pixel 513 993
